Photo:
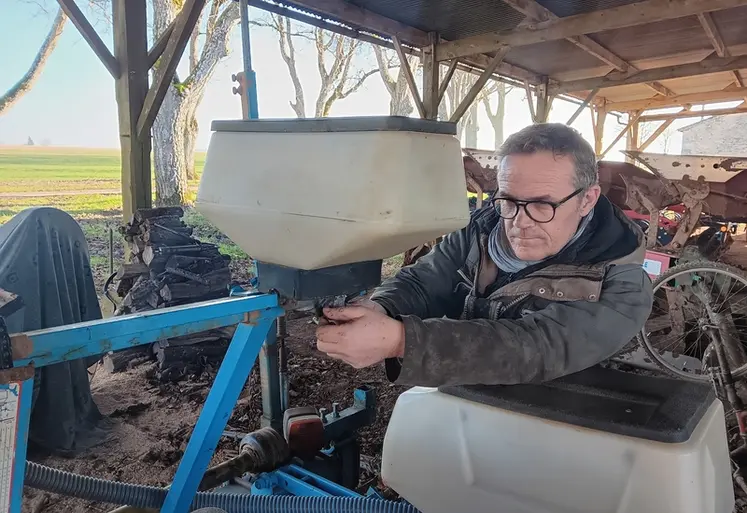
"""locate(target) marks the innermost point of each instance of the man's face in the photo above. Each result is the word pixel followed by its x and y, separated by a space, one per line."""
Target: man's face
pixel 542 176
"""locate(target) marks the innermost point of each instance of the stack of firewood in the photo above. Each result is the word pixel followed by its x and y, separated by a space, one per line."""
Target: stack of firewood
pixel 169 267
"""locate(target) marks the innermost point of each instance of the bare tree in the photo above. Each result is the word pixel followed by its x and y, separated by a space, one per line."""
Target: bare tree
pixel 499 90
pixel 458 87
pixel 175 127
pixel 27 81
pixel 334 59
pixel 400 98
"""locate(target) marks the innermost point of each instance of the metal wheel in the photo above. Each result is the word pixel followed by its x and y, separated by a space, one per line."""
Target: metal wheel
pixel 687 298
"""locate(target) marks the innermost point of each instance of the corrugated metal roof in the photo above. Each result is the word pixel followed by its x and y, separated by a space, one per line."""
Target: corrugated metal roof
pixel 453 19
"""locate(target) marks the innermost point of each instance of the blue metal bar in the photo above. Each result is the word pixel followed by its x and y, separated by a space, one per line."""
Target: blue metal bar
pixel 231 377
pixel 24 393
pixel 96 337
pixel 299 481
pixel 249 75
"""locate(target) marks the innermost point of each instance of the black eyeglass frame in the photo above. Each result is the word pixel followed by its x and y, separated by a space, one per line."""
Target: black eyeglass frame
pixel 524 203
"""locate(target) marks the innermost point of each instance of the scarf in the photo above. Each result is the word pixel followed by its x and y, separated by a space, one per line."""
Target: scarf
pixel 500 251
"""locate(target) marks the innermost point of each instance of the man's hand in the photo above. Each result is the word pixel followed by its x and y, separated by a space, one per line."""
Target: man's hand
pixel 361 335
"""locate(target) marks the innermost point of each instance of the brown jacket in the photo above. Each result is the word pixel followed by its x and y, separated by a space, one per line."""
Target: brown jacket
pixel 466 322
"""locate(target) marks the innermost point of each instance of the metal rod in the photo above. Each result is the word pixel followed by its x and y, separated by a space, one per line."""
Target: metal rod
pixel 269 376
pixel 111 251
pixel 251 78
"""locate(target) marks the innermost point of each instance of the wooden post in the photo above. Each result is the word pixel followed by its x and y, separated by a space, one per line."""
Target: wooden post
pixel 581 107
pixel 478 85
pixel 544 102
pixel 430 78
pixel 408 76
pixel 131 51
pixel 633 118
pixel 632 140
pixel 598 125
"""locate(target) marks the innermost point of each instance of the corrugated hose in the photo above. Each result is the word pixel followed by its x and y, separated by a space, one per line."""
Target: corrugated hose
pixel 141 496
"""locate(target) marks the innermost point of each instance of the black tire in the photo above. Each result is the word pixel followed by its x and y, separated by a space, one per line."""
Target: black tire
pixel 697 265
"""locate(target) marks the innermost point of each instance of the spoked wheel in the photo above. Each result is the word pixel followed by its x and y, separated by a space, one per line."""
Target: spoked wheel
pixel 687 299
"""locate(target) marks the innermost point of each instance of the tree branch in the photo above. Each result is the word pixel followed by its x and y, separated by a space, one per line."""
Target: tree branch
pixel 24 85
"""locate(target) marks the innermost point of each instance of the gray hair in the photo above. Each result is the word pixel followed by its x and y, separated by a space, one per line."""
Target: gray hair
pixel 559 139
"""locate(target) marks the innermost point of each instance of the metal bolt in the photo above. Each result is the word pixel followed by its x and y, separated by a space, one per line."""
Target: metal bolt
pixel 323 414
pixel 336 410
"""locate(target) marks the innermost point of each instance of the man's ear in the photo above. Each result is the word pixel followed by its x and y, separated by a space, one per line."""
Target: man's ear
pixel 590 198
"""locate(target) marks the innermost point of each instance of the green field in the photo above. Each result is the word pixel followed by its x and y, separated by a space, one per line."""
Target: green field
pixel 85 183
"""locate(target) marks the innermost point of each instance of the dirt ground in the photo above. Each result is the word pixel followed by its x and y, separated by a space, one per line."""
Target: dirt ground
pixel 151 424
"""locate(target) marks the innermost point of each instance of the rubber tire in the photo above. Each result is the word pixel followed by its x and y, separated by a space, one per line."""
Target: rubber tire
pixel 666 276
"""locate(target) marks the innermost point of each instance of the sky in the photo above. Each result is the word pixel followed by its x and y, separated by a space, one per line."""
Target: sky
pixel 73 103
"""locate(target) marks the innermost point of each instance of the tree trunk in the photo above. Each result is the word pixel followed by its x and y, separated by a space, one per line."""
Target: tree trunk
pixel 496 117
pixel 470 129
pixel 170 152
pixel 23 86
pixel 175 127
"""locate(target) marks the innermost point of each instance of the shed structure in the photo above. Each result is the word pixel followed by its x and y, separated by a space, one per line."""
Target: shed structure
pixel 616 56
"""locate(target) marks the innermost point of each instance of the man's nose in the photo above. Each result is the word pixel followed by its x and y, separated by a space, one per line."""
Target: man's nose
pixel 522 220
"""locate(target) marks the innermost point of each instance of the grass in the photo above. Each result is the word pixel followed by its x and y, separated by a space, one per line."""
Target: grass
pixel 25 169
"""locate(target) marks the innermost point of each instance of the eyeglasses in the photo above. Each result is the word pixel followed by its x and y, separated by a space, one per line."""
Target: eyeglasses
pixel 539 211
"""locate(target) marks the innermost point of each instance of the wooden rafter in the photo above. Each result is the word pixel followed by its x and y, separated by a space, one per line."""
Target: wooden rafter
pixel 660 130
pixel 635 118
pixel 431 73
pixel 704 67
pixel 160 44
pixel 478 85
pixel 185 24
pixel 680 100
pixel 738 78
pixel 360 17
pixel 639 13
pixel 660 89
pixel 714 36
pixel 446 79
pixel 536 12
pixel 89 34
pixel 408 77
pixel 694 114
pixel 581 107
pixel 530 101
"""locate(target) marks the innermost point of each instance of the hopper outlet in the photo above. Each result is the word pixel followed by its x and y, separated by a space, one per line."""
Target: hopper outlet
pixel 316 193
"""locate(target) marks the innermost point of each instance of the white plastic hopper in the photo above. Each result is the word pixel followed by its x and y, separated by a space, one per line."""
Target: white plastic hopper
pixel 313 193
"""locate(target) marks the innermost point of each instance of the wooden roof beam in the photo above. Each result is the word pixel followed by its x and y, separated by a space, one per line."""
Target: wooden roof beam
pixel 347 12
pixel 704 67
pixel 694 114
pixel 357 17
pixel 714 36
pixel 725 95
pixel 183 28
pixel 639 13
pixel 536 12
pixel 89 34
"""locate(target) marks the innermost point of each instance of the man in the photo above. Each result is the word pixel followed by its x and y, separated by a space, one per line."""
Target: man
pixel 546 280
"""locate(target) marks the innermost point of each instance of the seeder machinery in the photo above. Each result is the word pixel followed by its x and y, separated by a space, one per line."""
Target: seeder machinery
pixel 319 228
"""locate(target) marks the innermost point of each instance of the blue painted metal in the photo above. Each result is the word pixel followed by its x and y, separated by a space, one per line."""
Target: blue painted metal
pixel 254 313
pixel 346 422
pixel 96 337
pixel 295 480
pixel 24 391
pixel 249 75
pixel 231 377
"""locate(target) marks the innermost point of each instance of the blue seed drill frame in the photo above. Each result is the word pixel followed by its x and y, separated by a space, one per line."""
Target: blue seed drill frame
pixel 253 314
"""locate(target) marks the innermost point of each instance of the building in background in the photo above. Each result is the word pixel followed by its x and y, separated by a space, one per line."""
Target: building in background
pixel 722 136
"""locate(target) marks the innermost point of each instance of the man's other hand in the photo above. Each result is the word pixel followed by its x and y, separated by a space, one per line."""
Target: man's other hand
pixel 361 335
